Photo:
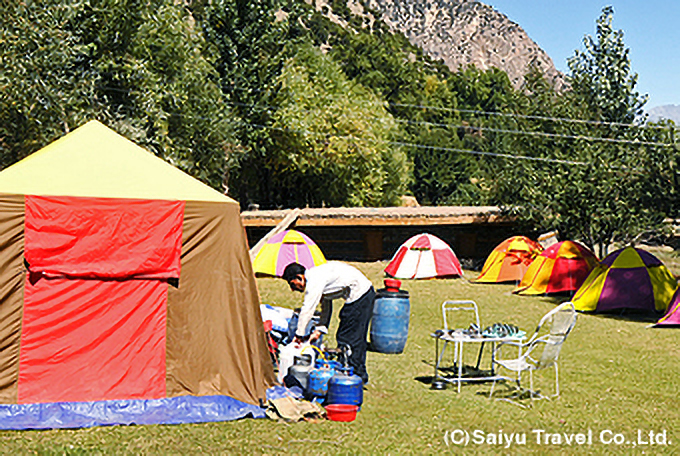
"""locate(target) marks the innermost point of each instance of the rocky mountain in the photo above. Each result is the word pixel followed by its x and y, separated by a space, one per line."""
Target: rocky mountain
pixel 670 112
pixel 464 32
pixel 459 32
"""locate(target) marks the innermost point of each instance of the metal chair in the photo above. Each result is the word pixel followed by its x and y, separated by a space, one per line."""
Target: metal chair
pixel 541 351
pixel 458 306
pixel 448 308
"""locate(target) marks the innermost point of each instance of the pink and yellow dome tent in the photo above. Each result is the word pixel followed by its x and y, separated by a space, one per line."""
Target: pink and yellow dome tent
pixel 509 260
pixel 128 292
pixel 287 247
pixel 629 278
pixel 672 317
pixel 560 268
pixel 424 256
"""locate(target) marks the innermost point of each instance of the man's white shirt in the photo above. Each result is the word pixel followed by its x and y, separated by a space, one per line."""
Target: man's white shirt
pixel 332 280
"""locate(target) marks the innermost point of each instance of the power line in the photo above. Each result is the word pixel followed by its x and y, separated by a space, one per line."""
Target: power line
pixel 524 116
pixel 448 149
pixel 489 129
pixel 490 154
pixel 469 111
pixel 540 133
pixel 519 132
pixel 423 146
pixel 519 116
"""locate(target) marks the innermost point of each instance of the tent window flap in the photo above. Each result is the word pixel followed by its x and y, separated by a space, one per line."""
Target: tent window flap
pixel 103 237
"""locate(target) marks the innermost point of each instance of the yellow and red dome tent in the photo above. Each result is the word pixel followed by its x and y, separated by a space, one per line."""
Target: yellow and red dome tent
pixel 509 260
pixel 128 294
pixel 560 268
pixel 629 278
pixel 289 246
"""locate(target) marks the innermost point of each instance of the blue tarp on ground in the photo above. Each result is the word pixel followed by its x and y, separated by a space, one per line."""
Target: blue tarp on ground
pixel 176 410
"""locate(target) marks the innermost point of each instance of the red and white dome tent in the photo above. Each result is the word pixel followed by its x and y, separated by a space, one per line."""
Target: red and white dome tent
pixel 424 256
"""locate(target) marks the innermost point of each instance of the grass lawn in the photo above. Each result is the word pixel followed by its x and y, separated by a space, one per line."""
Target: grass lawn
pixel 617 378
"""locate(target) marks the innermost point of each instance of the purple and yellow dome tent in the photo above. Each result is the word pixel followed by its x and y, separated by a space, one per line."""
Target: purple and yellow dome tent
pixel 629 278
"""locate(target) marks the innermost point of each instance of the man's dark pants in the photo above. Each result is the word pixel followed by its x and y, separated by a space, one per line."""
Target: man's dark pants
pixel 353 329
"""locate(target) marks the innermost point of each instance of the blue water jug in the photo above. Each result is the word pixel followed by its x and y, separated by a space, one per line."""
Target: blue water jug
pixel 317 381
pixel 345 388
pixel 389 326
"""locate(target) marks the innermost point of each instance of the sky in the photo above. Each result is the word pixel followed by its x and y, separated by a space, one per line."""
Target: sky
pixel 651 30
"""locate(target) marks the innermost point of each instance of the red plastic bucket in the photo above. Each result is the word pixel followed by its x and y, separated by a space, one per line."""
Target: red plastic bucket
pixel 341 412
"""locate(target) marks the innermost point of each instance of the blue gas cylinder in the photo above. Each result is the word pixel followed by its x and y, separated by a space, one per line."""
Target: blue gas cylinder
pixel 391 311
pixel 317 381
pixel 345 388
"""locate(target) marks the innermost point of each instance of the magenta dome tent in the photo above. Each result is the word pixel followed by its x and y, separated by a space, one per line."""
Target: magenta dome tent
pixel 424 256
pixel 672 317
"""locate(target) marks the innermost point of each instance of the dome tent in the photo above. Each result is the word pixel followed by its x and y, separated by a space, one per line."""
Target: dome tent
pixel 629 278
pixel 287 247
pixel 560 268
pixel 509 260
pixel 424 256
pixel 672 317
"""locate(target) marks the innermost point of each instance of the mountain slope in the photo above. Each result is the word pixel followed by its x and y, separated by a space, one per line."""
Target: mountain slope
pixel 462 33
pixel 670 112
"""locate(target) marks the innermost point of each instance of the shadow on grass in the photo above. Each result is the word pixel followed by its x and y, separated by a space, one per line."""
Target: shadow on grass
pixel 471 374
pixel 634 315
pixel 628 315
pixel 553 298
pixel 425 379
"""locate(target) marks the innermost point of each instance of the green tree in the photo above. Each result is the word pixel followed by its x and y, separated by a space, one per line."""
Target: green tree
pixel 138 67
pixel 304 124
pixel 597 176
pixel 602 77
pixel 423 96
pixel 251 44
pixel 332 138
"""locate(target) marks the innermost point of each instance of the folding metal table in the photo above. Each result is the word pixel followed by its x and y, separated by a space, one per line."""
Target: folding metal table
pixel 459 338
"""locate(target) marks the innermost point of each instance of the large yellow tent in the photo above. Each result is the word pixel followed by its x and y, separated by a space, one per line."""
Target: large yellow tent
pixel 94 161
pixel 127 292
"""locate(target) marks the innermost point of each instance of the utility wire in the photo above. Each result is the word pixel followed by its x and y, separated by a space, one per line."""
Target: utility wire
pixel 529 133
pixel 465 111
pixel 519 116
pixel 490 154
pixel 447 149
pixel 524 116
pixel 423 146
pixel 489 129
pixel 539 133
pixel 519 132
